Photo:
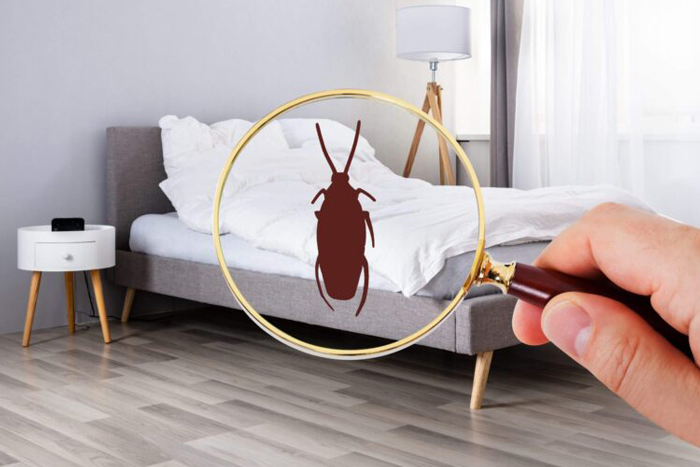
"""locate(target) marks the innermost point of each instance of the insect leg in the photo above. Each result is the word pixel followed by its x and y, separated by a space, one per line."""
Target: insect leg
pixel 360 191
pixel 369 225
pixel 365 269
pixel 318 282
pixel 322 192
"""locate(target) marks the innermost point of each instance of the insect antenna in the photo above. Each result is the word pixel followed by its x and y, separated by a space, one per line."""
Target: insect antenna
pixel 354 145
pixel 323 148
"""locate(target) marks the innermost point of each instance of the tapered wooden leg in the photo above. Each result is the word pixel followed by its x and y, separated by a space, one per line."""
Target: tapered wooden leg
pixel 438 117
pixel 70 301
pixel 128 301
pixel 432 103
pixel 100 299
pixel 31 307
pixel 442 166
pixel 446 164
pixel 416 140
pixel 434 98
pixel 481 374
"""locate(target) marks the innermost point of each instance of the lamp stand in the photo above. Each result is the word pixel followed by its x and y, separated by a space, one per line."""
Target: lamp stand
pixel 432 103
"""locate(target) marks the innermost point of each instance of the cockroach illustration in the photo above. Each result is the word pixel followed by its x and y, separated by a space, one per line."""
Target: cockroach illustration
pixel 341 233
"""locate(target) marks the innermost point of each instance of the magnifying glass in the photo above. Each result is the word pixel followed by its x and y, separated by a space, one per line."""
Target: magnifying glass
pixel 534 285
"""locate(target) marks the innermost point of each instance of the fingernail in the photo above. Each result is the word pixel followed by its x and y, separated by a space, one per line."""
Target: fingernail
pixel 569 326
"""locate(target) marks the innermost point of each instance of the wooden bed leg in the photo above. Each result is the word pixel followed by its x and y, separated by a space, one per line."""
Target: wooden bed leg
pixel 481 374
pixel 128 301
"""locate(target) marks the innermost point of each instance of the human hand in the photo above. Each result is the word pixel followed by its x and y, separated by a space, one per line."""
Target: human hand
pixel 647 255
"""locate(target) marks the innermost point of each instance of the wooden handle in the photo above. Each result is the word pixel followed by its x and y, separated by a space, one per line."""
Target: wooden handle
pixel 538 286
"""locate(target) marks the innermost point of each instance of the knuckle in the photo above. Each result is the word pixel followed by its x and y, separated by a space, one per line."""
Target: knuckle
pixel 618 363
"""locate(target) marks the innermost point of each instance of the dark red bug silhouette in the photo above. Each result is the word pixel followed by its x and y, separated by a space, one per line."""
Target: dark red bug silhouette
pixel 341 233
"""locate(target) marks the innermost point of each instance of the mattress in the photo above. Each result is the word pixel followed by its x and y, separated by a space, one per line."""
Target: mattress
pixel 165 235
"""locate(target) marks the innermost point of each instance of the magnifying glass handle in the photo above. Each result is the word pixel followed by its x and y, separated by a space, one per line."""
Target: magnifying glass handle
pixel 538 286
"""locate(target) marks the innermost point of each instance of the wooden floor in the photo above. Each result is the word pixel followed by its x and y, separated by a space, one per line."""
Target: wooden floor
pixel 208 388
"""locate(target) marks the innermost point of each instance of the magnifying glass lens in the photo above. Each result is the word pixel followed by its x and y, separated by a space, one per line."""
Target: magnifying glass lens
pixel 345 213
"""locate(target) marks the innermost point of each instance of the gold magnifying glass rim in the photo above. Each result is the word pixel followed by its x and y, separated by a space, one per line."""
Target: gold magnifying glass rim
pixel 329 352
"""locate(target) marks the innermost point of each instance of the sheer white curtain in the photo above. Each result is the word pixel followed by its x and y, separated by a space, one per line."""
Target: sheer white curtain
pixel 609 92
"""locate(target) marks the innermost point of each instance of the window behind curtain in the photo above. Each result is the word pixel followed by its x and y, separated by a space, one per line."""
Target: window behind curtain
pixel 609 92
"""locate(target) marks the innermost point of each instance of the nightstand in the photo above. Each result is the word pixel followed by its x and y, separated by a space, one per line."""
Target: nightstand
pixel 40 250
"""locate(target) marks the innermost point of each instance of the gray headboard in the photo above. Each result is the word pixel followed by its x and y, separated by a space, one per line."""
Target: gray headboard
pixel 134 170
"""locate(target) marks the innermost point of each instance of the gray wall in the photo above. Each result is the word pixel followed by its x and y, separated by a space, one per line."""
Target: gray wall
pixel 68 69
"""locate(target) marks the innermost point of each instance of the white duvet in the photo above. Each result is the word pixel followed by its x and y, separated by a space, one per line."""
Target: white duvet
pixel 417 226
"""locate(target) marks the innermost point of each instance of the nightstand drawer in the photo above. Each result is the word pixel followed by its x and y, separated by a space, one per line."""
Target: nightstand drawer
pixel 74 256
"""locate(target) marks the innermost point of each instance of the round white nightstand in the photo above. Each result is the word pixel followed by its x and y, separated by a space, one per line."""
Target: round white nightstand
pixel 41 250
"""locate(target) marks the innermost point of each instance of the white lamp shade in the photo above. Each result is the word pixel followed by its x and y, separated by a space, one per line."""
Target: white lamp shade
pixel 433 33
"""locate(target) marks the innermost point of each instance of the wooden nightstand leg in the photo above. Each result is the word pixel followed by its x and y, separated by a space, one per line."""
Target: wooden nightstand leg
pixel 70 301
pixel 100 299
pixel 31 307
pixel 128 302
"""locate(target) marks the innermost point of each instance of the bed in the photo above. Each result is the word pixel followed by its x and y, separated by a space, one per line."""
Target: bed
pixel 480 325
pixel 157 253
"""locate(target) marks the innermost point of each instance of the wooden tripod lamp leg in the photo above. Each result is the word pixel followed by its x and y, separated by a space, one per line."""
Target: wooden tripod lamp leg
pixel 431 103
pixel 416 139
pixel 447 165
pixel 441 164
pixel 436 108
pixel 435 98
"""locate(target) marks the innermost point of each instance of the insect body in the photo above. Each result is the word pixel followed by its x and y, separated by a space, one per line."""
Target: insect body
pixel 341 233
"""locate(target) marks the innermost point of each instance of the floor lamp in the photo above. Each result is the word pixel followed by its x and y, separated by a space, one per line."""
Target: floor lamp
pixel 433 34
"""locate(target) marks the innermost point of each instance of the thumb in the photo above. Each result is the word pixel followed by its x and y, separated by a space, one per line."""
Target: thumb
pixel 629 357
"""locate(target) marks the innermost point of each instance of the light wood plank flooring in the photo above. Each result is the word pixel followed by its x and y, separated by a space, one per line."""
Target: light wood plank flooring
pixel 208 388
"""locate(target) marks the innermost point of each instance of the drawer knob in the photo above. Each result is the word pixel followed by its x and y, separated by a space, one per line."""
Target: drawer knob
pixel 68 257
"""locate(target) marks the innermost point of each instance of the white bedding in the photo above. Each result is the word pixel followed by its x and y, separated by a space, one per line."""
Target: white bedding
pixel 165 235
pixel 417 225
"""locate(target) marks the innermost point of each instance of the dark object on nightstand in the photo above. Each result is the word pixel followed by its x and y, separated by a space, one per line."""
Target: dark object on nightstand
pixel 66 224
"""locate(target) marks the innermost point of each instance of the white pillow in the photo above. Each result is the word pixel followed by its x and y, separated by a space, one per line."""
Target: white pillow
pixel 301 132
pixel 186 140
pixel 192 189
pixel 194 155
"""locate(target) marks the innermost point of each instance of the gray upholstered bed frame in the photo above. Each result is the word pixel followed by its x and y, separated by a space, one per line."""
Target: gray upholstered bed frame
pixel 479 325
